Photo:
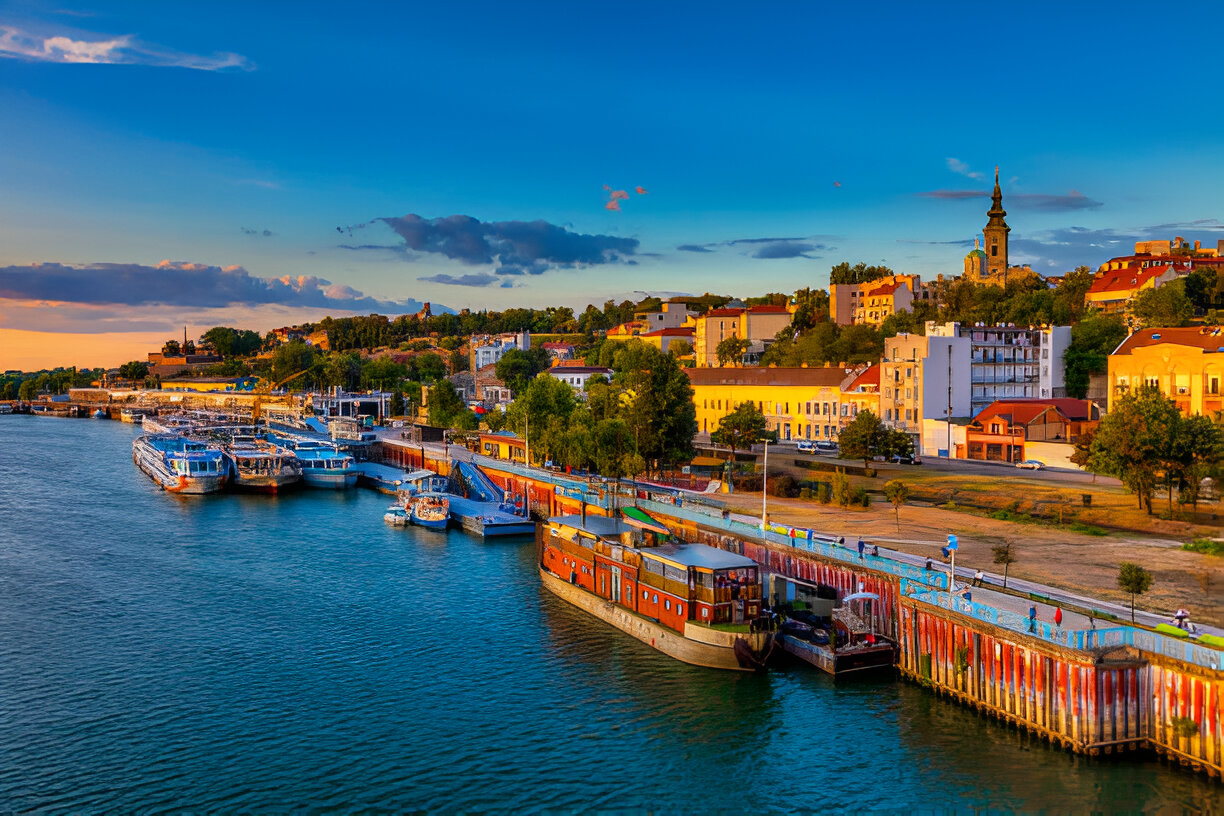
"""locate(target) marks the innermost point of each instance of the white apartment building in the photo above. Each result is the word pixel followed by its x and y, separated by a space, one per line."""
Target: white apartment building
pixel 488 350
pixel 1010 362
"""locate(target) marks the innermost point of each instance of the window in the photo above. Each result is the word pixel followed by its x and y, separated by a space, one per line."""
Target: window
pixel 994 250
pixel 907 414
pixel 666 604
pixel 994 427
pixel 888 414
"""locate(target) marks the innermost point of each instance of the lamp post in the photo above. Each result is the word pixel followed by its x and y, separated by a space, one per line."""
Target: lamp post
pixel 764 484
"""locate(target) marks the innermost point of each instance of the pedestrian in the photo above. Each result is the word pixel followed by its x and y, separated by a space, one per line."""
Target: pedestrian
pixel 1033 617
pixel 1180 616
pixel 862 546
pixel 1058 616
pixel 875 550
pixel 1091 621
pixel 928 564
pixel 978 578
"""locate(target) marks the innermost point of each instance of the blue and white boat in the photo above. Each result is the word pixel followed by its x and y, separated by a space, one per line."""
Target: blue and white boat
pixel 180 465
pixel 325 466
pixel 431 510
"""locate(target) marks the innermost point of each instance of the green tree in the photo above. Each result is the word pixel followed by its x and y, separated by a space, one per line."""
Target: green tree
pixel 429 366
pixel 382 372
pixel 1201 288
pixel 680 348
pixel 445 404
pixel 397 403
pixel 863 438
pixel 897 492
pixel 859 273
pixel 1005 555
pixel 1163 307
pixel 731 351
pixel 290 358
pixel 1134 579
pixel 1093 339
pixel 135 371
pixel 516 368
pixel 614 448
pixel 1135 440
pixel 740 429
pixel 811 307
pixel 1197 450
pixel 171 348
pixel 27 390
pixel 656 400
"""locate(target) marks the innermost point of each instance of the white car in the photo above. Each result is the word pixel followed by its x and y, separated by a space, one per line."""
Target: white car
pixel 806 446
pixel 1030 464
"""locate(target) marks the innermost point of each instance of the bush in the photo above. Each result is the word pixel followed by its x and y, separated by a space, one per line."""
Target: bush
pixel 805 492
pixel 1206 546
pixel 824 492
pixel 861 497
pixel 784 487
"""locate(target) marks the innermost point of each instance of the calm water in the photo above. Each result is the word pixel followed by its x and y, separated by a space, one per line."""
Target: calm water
pixel 230 653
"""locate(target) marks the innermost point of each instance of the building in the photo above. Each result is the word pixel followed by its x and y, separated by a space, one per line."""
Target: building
pixel 662 339
pixel 759 325
pixel 1011 362
pixel 923 378
pixel 1186 364
pixel 798 403
pixel 673 315
pixel 207 384
pixel 483 387
pixel 488 350
pixel 1113 289
pixel 577 376
pixel 862 393
pixel 559 351
pixel 169 365
pixel 873 301
pixel 1041 430
pixel 989 263
pixel 503 445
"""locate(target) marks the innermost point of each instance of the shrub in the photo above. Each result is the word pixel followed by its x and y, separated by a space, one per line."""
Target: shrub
pixel 861 497
pixel 824 492
pixel 805 492
pixel 784 486
pixel 1206 546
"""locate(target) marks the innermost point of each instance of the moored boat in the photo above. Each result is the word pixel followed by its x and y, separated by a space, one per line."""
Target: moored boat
pixel 180 465
pixel 431 510
pixel 396 516
pixel 325 466
pixel 836 639
pixel 262 467
pixel 135 415
pixel 98 413
pixel 693 602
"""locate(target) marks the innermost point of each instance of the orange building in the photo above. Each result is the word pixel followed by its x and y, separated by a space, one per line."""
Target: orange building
pixel 1002 430
pixel 1186 364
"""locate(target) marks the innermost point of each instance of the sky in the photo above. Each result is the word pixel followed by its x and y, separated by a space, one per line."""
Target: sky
pixel 255 165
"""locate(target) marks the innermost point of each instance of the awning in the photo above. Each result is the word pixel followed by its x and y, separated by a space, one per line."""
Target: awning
pixel 639 519
pixel 707 461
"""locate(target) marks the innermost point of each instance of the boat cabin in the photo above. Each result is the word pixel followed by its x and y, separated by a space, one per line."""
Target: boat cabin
pixel 635 565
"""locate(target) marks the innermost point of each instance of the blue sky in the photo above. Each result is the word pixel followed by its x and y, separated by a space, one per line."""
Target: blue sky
pixel 234 139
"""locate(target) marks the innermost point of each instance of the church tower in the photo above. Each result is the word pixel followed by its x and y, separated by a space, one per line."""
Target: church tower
pixel 996 235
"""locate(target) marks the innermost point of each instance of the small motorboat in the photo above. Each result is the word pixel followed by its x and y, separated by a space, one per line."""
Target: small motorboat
pixel 396 516
pixel 431 510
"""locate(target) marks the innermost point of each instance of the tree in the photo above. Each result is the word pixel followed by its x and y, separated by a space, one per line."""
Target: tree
pixel 1093 339
pixel 1134 579
pixel 656 400
pixel 1004 554
pixel 862 438
pixel 859 273
pixel 897 492
pixel 382 372
pixel 397 403
pixel 290 358
pixel 614 448
pixel 171 348
pixel 27 390
pixel 516 368
pixel 1082 452
pixel 731 350
pixel 429 366
pixel 135 371
pixel 680 348
pixel 445 404
pixel 1201 288
pixel 1135 440
pixel 1165 306
pixel 740 429
pixel 232 342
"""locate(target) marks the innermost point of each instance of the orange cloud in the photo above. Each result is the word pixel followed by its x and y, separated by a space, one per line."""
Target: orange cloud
pixel 640 190
pixel 612 205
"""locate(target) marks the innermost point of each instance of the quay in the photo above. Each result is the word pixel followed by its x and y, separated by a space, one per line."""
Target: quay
pixel 1090 688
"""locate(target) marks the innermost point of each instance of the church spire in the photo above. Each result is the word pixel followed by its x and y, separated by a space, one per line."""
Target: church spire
pixel 996 211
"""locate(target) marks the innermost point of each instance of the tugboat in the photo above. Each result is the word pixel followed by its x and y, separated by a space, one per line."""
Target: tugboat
pixel 696 603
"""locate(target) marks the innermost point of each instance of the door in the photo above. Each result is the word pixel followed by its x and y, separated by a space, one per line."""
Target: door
pixel 616 585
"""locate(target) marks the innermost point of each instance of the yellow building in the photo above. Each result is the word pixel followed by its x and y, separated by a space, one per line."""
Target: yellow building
pixel 209 384
pixel 759 325
pixel 798 403
pixel 1186 364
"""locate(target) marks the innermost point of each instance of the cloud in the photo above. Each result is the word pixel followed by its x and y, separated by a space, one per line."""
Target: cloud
pixel 1074 200
pixel 640 190
pixel 965 242
pixel 693 248
pixel 262 233
pixel 178 283
pixel 953 194
pixel 786 249
pixel 98 50
pixel 471 279
pixel 1068 247
pixel 511 247
pixel 766 248
pixel 958 166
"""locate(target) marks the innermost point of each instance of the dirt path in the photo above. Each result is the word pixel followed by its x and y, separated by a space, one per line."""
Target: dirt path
pixel 1045 552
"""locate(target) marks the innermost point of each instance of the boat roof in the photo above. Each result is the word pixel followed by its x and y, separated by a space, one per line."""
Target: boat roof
pixel 702 556
pixel 595 525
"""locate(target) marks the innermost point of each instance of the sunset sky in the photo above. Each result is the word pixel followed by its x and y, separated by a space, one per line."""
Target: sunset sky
pixel 260 164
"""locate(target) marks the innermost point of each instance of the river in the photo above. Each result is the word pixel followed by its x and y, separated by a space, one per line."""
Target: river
pixel 254 653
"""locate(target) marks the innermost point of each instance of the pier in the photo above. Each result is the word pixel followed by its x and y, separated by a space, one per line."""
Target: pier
pixel 1092 686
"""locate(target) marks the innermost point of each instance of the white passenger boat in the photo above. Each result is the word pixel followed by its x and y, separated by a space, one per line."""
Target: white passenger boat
pixel 262 467
pixel 180 465
pixel 325 466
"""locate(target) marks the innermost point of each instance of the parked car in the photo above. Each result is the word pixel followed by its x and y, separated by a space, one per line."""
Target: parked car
pixel 1030 464
pixel 826 447
pixel 806 446
pixel 908 459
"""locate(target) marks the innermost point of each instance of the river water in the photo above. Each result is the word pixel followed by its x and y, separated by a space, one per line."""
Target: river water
pixel 253 653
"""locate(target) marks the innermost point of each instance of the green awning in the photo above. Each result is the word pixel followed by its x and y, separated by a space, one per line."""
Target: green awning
pixel 637 518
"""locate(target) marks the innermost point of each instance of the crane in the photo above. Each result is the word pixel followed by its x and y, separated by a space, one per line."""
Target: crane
pixel 262 392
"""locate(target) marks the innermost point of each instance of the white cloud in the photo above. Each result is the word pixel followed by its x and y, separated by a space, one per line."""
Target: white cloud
pixel 92 49
pixel 958 166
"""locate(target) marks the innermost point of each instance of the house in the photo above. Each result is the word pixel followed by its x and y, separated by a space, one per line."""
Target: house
pixel 1016 430
pixel 1112 290
pixel 758 325
pixel 559 351
pixel 662 339
pixel 577 376
pixel 503 445
pixel 872 301
pixel 487 350
pixel 1186 364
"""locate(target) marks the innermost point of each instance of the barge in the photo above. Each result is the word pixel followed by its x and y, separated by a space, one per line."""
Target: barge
pixel 180 465
pixel 692 602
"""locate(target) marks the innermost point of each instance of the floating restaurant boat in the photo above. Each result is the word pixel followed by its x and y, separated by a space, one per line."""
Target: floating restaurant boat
pixel 135 415
pixel 431 510
pixel 692 602
pixel 325 466
pixel 262 466
pixel 836 639
pixel 180 465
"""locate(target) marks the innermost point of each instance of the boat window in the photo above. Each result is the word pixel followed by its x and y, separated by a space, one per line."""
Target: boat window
pixel 655 599
pixel 679 609
pixel 666 604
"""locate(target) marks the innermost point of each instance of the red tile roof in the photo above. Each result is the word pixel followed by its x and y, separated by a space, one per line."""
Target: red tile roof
pixel 1207 338
pixel 724 313
pixel 809 377
pixel 1024 411
pixel 869 377
pixel 677 332
pixel 886 289
pixel 768 309
pixel 1124 280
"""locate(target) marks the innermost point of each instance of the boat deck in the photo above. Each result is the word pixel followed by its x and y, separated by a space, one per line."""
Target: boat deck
pixel 487 518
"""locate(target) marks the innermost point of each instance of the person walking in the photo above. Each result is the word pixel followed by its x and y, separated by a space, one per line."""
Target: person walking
pixel 978 577
pixel 1033 617
pixel 862 546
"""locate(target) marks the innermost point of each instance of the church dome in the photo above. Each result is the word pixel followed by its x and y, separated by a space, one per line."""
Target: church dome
pixel 976 253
